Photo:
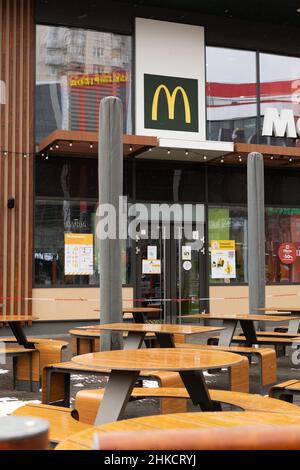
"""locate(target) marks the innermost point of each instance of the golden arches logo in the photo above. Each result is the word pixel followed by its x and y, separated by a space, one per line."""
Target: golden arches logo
pixel 171 99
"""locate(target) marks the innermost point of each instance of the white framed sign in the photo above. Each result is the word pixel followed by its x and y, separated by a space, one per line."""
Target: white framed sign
pixel 170 96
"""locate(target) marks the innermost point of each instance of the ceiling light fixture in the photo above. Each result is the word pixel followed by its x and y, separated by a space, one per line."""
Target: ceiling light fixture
pixel 204 157
pixel 291 160
pixel 272 157
pixel 186 153
pixel 169 152
pixel 130 148
pixel 91 146
pixel 71 144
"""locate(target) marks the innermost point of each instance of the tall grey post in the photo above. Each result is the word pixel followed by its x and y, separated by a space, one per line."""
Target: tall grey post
pixel 110 191
pixel 256 232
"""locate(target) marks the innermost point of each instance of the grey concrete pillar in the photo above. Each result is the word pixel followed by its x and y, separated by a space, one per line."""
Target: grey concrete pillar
pixel 110 190
pixel 256 232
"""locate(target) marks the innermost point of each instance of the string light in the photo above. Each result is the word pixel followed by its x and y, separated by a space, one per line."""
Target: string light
pixel 91 146
pixel 130 148
pixel 70 144
pixel 169 152
pixel 6 153
pixel 222 160
pixel 204 157
pixel 187 153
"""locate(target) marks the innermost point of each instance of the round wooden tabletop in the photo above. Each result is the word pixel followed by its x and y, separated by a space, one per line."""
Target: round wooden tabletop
pixel 159 359
pixel 160 328
pixel 16 318
pixel 183 421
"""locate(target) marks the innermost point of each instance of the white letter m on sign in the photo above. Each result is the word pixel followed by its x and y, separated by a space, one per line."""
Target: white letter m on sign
pixel 278 124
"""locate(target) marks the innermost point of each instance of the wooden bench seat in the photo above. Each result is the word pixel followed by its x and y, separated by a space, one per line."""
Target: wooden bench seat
pixel 278 334
pixel 51 351
pixel 275 340
pixel 266 358
pixel 285 390
pixel 87 402
pixel 62 423
pixel 56 384
pixel 18 354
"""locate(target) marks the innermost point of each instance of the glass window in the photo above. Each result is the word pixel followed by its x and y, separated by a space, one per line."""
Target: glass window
pixel 231 95
pixel 75 69
pixel 280 89
pixel 227 184
pixel 282 230
pixel 166 181
pixel 230 223
pixel 66 203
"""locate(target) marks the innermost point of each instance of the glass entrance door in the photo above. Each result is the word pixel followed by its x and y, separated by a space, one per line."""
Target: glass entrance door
pixel 171 267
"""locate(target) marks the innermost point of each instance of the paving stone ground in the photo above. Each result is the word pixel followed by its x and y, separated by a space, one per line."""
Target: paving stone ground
pixel 10 398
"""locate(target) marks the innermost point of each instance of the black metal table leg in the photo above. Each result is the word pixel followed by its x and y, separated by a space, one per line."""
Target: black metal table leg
pixel 138 317
pixel 134 340
pixel 19 334
pixel 249 332
pixel 196 386
pixel 165 340
pixel 226 335
pixel 116 396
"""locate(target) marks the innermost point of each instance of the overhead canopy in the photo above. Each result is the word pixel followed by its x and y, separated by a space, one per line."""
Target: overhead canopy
pixel 80 143
pixel 188 150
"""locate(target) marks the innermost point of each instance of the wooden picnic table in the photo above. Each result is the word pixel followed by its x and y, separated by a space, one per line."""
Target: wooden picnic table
pixel 15 324
pixel 230 322
pixel 163 332
pixel 294 323
pixel 125 368
pixel 267 429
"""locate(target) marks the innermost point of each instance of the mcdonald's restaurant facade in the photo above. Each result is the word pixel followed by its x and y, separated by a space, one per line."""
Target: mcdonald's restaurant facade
pixel 200 89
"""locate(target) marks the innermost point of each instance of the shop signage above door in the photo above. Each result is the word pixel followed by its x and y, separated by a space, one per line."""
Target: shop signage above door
pixel 171 103
pixel 281 123
pixel 2 92
pixel 170 80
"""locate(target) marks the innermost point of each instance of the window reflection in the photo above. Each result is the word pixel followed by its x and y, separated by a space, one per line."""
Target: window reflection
pixel 75 69
pixel 231 95
pixel 280 88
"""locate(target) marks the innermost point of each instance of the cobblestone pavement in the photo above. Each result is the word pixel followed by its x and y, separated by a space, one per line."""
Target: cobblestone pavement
pixel 10 398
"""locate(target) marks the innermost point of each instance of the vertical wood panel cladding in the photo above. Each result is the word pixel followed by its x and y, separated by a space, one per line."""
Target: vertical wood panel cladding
pixel 17 70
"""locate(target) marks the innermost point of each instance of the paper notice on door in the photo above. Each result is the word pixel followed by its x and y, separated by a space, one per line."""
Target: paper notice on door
pixel 152 252
pixel 186 253
pixel 79 254
pixel 223 259
pixel 151 266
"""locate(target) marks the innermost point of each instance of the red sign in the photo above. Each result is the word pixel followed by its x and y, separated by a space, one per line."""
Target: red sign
pixel 287 253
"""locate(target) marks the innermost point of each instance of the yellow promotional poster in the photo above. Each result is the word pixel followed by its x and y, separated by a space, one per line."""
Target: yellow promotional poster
pixel 79 254
pixel 223 259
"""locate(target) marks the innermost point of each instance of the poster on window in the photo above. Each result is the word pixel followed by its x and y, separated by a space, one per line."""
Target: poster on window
pixel 79 254
pixel 223 259
pixel 151 266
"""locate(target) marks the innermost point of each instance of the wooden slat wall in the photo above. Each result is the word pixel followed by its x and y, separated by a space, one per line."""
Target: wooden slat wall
pixel 17 70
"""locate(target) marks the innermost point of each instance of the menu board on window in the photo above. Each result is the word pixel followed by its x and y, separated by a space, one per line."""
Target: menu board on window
pixel 79 254
pixel 223 259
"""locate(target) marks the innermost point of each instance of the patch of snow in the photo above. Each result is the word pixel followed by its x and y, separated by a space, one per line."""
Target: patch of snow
pixel 150 384
pixel 9 405
pixel 78 385
pixel 2 371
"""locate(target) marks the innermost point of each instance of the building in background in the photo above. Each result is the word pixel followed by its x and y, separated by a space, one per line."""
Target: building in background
pixel 234 67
